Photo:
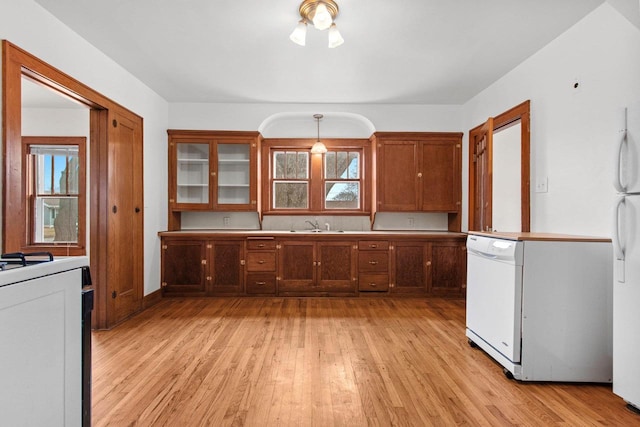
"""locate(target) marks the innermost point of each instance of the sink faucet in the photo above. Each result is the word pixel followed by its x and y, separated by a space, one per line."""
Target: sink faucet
pixel 315 226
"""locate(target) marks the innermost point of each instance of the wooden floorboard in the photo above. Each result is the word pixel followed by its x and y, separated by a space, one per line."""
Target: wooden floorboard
pixel 321 362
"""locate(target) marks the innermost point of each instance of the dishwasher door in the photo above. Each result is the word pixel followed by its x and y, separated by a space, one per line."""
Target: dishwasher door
pixel 494 293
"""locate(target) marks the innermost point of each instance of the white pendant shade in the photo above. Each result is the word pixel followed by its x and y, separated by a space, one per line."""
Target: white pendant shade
pixel 318 148
pixel 299 34
pixel 322 18
pixel 335 39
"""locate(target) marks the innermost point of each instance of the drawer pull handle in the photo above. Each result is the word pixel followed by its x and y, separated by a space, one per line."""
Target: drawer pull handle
pixel 261 245
pixel 261 283
pixel 373 246
pixel 373 262
pixel 261 261
pixel 373 285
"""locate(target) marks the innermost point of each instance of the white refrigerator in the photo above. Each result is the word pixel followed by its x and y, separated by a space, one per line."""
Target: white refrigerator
pixel 626 271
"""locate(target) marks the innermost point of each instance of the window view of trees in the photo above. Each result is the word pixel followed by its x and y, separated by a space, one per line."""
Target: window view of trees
pixel 342 180
pixel 56 193
pixel 290 179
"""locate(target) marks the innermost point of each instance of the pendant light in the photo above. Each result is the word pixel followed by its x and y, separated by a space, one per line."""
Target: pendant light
pixel 318 147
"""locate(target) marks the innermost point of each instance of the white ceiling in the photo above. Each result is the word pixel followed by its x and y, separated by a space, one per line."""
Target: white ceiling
pixel 403 51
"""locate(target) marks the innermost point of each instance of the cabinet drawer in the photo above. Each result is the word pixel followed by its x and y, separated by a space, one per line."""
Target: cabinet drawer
pixel 253 245
pixel 373 245
pixel 261 261
pixel 261 283
pixel 373 282
pixel 373 261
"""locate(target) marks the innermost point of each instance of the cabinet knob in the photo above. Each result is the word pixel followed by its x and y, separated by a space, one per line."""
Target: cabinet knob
pixel 419 174
pixel 429 263
pixel 213 174
pixel 204 262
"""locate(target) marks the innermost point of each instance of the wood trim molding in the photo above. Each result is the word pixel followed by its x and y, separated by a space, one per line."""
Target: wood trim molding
pixel 17 63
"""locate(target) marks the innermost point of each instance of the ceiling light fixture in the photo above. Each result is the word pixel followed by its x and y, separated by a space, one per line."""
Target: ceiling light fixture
pixel 322 14
pixel 318 147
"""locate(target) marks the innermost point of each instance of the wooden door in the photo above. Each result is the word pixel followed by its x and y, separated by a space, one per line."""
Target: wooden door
pixel 183 269
pixel 447 268
pixel 397 176
pixel 336 264
pixel 227 267
pixel 440 180
pixel 480 177
pixel 410 267
pixel 125 224
pixel 296 266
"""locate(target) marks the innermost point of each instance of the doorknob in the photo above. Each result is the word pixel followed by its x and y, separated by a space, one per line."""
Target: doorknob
pixel 137 209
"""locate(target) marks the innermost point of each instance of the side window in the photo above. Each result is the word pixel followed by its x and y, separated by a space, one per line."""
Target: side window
pixel 342 180
pixel 290 178
pixel 55 193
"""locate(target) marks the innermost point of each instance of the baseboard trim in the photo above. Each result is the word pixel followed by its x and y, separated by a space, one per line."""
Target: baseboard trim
pixel 151 299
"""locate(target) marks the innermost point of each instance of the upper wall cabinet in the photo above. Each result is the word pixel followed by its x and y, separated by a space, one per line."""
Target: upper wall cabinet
pixel 419 171
pixel 212 171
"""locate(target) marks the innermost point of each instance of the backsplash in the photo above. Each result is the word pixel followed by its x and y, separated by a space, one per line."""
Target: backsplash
pixel 299 222
pixel 422 221
pixel 220 220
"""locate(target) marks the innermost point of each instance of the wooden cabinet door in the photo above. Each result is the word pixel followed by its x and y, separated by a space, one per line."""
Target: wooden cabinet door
pixel 397 176
pixel 448 260
pixel 235 172
pixel 410 267
pixel 440 180
pixel 183 266
pixel 227 267
pixel 296 266
pixel 336 265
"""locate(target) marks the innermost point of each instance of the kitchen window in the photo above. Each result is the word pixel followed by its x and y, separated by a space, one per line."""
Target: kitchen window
pixel 296 181
pixel 342 180
pixel 55 194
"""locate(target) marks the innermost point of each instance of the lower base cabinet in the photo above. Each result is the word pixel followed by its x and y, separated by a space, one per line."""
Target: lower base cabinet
pixel 202 267
pixel 316 268
pixel 309 266
pixel 429 268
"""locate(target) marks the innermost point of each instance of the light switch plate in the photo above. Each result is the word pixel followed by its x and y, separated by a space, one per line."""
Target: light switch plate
pixel 542 185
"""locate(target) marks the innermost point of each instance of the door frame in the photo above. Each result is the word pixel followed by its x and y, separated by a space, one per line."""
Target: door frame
pixel 17 63
pixel 519 112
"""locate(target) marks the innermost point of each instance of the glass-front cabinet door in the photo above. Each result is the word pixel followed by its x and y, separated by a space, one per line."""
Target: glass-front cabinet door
pixel 192 173
pixel 233 174
pixel 215 171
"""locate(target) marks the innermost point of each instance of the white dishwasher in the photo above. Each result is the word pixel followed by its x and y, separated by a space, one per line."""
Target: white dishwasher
pixel 541 305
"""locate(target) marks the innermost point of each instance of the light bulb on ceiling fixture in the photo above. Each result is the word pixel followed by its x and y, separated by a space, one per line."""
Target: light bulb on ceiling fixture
pixel 320 13
pixel 299 34
pixel 335 38
pixel 322 18
pixel 318 147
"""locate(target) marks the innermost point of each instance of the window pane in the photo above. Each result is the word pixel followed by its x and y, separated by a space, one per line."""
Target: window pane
pixel 354 165
pixel 330 165
pixel 56 220
pixel 292 163
pixel 342 195
pixel 57 169
pixel 303 166
pixel 279 162
pixel 290 195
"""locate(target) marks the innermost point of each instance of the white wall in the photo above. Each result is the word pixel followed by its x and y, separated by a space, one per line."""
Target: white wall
pixel 572 130
pixel 29 26
pixel 423 118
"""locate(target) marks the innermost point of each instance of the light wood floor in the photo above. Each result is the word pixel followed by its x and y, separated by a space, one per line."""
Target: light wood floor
pixel 320 362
